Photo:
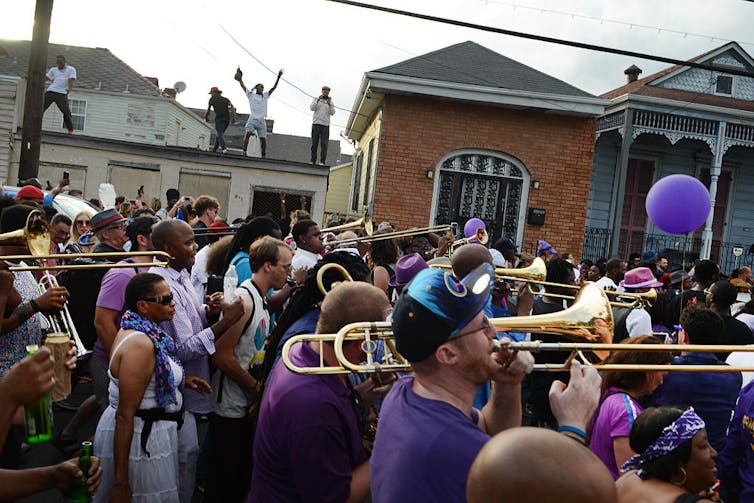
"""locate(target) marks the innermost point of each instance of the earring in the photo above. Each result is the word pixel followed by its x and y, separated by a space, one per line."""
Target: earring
pixel 683 481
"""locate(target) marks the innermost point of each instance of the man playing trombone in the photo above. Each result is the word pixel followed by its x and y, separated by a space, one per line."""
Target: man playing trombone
pixel 429 433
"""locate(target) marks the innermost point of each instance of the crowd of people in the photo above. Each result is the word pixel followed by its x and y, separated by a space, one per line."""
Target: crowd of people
pixel 202 340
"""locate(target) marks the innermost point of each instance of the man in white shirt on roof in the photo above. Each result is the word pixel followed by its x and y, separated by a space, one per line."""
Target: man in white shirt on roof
pixel 258 105
pixel 62 77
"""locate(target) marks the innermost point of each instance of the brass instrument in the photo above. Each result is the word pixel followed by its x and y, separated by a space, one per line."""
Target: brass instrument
pixel 35 235
pixel 480 237
pixel 537 272
pixel 396 234
pixel 362 224
pixel 321 274
pixel 589 319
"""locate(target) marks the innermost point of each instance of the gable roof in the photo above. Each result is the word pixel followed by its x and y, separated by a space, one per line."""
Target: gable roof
pixel 473 64
pixel 646 87
pixel 96 68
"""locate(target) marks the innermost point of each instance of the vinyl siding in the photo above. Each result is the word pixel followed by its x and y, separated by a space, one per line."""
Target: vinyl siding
pixel 8 91
pixel 601 187
pixel 338 190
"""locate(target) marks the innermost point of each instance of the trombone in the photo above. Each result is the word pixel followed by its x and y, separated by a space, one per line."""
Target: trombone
pixel 216 231
pixel 537 272
pixel 480 237
pixel 321 274
pixel 396 234
pixel 589 320
pixel 362 224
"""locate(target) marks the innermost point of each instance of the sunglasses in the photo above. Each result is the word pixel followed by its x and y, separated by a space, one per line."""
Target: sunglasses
pixel 83 222
pixel 165 300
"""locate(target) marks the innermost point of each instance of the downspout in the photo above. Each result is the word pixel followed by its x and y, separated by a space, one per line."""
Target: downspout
pixel 373 189
pixel 714 175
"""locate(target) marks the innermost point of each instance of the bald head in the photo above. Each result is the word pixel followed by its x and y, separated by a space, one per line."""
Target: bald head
pixel 165 231
pixel 469 257
pixel 351 302
pixel 536 464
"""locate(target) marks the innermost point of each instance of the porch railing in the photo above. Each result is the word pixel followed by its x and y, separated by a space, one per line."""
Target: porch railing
pixel 597 244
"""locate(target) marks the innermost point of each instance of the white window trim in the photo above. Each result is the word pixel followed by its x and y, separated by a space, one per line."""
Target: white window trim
pixel 525 177
pixel 732 85
pixel 70 107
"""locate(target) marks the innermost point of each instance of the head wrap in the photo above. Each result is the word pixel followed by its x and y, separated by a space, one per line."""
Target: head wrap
pixel 673 436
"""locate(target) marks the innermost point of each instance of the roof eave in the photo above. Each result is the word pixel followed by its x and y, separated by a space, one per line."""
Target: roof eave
pixel 362 110
pixel 626 99
pixel 576 105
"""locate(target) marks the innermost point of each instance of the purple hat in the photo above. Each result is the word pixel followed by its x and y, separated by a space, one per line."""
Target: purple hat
pixel 640 277
pixel 406 268
pixel 543 245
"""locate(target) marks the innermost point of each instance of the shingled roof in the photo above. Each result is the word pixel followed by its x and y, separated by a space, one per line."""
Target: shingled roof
pixel 471 63
pixel 96 68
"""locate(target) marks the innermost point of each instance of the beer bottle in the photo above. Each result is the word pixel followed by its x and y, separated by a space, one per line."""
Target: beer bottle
pixel 80 494
pixel 38 415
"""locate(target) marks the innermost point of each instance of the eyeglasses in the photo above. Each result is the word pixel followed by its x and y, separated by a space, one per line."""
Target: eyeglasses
pixel 117 227
pixel 485 326
pixel 165 300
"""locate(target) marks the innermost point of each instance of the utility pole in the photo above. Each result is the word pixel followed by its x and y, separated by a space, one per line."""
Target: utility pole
pixel 35 87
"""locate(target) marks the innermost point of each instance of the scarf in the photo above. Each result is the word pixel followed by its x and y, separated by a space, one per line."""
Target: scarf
pixel 164 348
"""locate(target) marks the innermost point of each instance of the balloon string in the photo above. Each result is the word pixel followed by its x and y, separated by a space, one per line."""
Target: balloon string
pixel 683 268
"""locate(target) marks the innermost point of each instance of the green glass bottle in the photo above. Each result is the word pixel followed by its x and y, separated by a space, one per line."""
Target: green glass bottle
pixel 80 494
pixel 38 415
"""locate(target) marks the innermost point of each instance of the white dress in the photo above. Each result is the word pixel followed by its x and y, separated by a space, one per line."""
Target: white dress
pixel 156 478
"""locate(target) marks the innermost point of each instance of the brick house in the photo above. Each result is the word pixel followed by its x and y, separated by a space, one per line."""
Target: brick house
pixel 465 132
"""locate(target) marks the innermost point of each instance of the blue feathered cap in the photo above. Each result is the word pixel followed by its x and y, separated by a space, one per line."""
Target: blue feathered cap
pixel 437 305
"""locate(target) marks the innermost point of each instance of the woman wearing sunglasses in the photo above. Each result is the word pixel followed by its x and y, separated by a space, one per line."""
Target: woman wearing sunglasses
pixel 82 225
pixel 139 437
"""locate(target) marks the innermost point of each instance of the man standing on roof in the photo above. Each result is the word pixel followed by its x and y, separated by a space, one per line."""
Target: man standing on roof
pixel 323 108
pixel 223 111
pixel 258 104
pixel 62 78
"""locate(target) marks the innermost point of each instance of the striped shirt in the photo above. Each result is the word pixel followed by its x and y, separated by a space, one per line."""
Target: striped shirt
pixel 613 419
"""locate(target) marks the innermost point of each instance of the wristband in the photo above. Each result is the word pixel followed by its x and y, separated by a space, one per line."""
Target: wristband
pixel 574 430
pixel 34 305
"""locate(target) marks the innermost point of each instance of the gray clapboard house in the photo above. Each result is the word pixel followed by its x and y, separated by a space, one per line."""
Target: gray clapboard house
pixel 680 120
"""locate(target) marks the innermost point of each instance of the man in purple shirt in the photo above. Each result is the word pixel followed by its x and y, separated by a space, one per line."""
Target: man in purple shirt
pixel 429 433
pixel 190 327
pixel 308 440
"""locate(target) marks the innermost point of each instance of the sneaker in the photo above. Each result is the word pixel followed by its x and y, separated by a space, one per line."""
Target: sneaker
pixel 225 151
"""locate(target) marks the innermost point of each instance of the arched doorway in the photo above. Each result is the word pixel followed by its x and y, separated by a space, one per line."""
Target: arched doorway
pixel 482 184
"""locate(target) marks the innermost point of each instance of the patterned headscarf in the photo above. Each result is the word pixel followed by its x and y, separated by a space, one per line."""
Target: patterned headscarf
pixel 164 348
pixel 673 436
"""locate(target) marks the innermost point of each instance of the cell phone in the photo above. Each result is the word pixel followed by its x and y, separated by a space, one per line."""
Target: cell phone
pixel 454 228
pixel 66 175
pixel 187 199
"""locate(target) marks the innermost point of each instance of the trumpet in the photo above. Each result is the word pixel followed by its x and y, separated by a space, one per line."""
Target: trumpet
pixel 589 321
pixel 480 237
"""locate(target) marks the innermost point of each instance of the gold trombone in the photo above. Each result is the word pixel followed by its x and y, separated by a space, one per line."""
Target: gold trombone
pixel 396 235
pixel 362 224
pixel 589 319
pixel 480 237
pixel 537 272
pixel 321 274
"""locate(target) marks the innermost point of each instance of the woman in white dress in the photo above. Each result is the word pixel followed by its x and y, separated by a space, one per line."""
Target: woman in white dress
pixel 138 437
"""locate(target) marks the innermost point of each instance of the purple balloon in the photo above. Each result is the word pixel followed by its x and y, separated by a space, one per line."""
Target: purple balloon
pixel 472 225
pixel 678 204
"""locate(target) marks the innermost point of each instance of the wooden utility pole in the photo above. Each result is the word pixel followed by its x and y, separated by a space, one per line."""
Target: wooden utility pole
pixel 35 89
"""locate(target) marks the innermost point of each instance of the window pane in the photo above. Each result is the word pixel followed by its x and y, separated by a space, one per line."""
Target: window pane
pixel 724 85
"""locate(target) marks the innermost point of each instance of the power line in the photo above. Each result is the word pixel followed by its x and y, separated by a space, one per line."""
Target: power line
pixel 542 38
pixel 611 21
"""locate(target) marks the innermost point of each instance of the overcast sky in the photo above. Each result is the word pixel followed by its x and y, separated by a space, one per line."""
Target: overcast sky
pixel 319 42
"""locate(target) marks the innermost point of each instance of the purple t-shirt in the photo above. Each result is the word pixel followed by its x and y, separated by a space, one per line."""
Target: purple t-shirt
pixel 424 448
pixel 308 440
pixel 614 418
pixel 112 295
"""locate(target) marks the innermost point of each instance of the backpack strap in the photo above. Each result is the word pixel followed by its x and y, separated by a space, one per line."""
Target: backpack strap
pixel 221 384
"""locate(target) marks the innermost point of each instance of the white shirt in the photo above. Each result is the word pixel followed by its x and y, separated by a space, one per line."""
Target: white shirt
pixel 60 78
pixel 257 104
pixel 608 284
pixel 322 111
pixel 199 273
pixel 740 359
pixel 638 322
pixel 304 259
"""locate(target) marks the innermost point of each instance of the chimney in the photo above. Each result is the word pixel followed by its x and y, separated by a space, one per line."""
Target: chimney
pixel 632 73
pixel 269 123
pixel 152 80
pixel 169 92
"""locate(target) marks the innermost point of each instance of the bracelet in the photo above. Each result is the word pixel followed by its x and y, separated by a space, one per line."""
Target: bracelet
pixel 572 429
pixel 34 305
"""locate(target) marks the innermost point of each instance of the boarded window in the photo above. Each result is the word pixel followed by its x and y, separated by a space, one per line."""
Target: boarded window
pixel 140 115
pixel 266 201
pixel 368 175
pixel 127 181
pixel 199 184
pixel 357 182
